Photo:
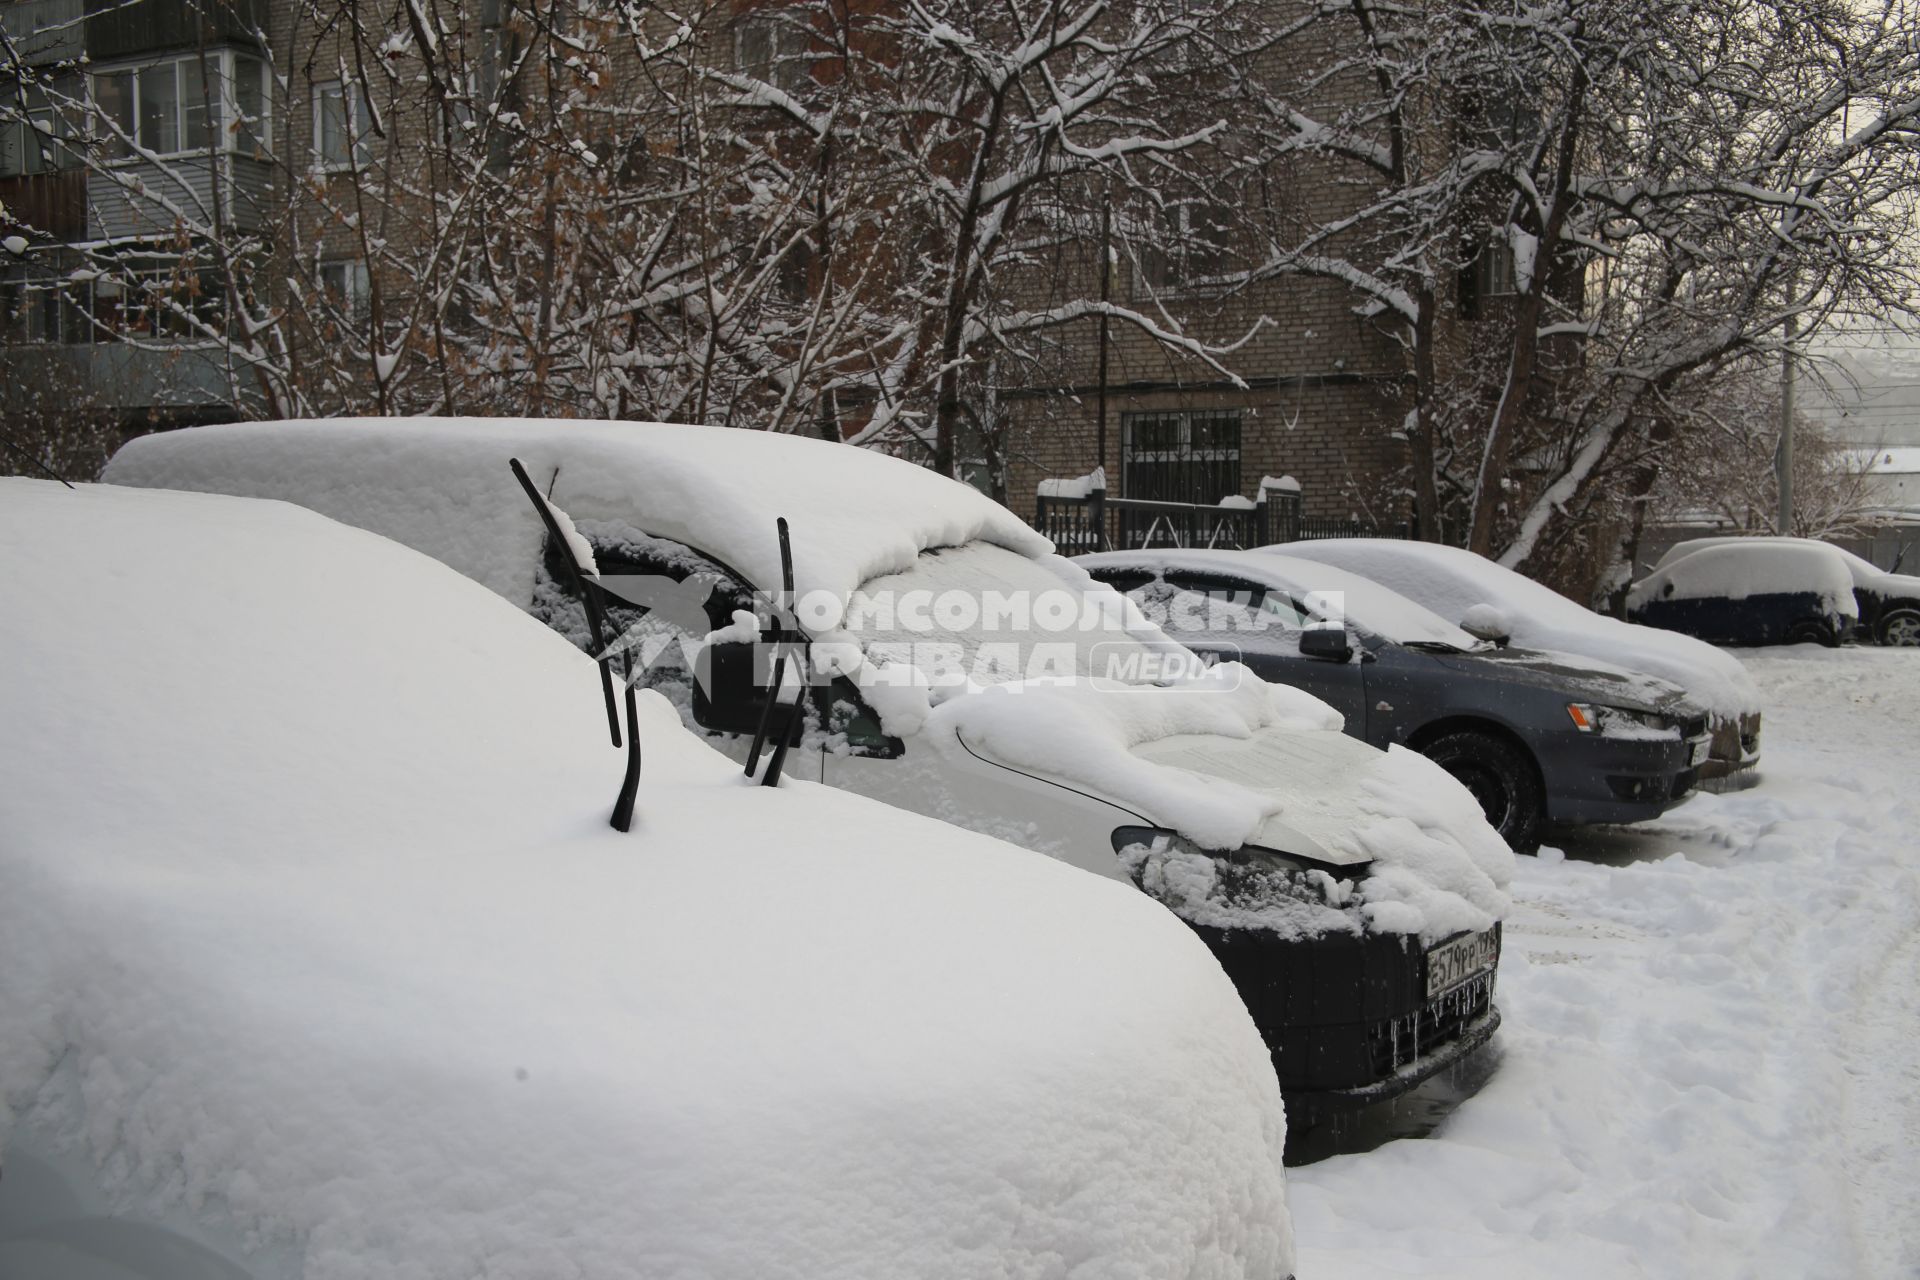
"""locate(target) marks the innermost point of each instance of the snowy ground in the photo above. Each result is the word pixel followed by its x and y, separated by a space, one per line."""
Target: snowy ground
pixel 1709 1063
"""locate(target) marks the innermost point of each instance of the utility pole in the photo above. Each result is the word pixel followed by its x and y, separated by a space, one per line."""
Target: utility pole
pixel 1106 289
pixel 1783 454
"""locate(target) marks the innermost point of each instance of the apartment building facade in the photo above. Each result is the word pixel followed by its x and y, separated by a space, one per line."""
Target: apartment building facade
pixel 197 188
pixel 131 125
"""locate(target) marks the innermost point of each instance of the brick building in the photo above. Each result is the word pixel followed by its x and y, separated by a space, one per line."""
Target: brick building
pixel 251 122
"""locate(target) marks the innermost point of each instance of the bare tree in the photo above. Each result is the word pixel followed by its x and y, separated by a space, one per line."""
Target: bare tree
pixel 1721 466
pixel 1567 212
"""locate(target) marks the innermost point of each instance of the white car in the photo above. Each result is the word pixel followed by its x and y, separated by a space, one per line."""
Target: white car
pixel 1490 600
pixel 960 669
pixel 1888 603
pixel 321 963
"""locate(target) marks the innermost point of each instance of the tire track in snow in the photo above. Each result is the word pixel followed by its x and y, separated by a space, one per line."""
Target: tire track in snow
pixel 1710 1060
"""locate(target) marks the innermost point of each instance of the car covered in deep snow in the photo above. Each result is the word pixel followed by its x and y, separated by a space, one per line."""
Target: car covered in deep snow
pixel 959 668
pixel 1888 602
pixel 1538 738
pixel 1492 601
pixel 1751 593
pixel 322 963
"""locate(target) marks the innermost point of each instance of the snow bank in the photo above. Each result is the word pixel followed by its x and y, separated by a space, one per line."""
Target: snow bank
pixel 1450 581
pixel 310 889
pixel 1734 572
pixel 1708 1066
pixel 441 486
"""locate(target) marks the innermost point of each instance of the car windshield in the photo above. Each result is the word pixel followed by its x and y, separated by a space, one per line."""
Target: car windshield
pixel 1332 595
pixel 995 616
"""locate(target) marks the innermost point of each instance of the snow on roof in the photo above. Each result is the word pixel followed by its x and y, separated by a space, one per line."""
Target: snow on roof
pixel 441 486
pixel 1865 572
pixel 1452 580
pixel 1737 569
pixel 309 880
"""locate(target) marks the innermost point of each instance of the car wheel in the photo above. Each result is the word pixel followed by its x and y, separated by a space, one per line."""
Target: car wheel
pixel 1501 777
pixel 1901 627
pixel 1811 632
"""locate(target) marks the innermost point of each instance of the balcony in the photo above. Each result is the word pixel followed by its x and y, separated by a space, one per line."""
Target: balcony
pixel 44 31
pixel 149 199
pixel 117 29
pixel 131 380
pixel 53 204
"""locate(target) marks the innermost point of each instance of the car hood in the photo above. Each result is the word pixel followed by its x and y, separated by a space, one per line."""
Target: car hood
pixel 1425 860
pixel 1581 679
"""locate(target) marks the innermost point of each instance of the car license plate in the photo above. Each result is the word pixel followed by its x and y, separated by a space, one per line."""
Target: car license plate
pixel 1452 963
pixel 1702 748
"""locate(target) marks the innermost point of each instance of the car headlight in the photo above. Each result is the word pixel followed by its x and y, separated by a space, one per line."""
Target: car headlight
pixel 1619 722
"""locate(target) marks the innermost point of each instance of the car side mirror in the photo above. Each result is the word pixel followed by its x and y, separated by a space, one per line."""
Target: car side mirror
pixel 1486 629
pixel 1326 644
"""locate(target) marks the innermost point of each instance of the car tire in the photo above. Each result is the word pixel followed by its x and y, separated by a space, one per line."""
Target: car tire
pixel 1811 632
pixel 1501 777
pixel 1901 628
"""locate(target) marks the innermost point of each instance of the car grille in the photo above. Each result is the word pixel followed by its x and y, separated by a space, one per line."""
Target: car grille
pixel 1693 727
pixel 1397 1042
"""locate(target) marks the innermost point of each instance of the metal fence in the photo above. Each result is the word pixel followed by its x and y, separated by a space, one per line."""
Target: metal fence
pixel 1091 521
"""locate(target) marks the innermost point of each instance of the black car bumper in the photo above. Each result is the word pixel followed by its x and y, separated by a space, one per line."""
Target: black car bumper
pixel 1590 778
pixel 1307 1107
pixel 1348 1019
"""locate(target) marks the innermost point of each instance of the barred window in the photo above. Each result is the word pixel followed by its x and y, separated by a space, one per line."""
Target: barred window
pixel 1181 456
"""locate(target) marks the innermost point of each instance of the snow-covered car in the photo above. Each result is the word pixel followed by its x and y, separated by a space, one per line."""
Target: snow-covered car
pixel 1888 603
pixel 961 669
pixel 1751 593
pixel 321 963
pixel 1538 738
pixel 1490 600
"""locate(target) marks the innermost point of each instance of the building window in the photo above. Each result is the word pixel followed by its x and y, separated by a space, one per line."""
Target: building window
pixel 342 126
pixel 252 95
pixel 1195 249
pixel 1487 275
pixel 1493 270
pixel 41 305
pixel 769 46
pixel 36 140
pixel 161 297
pixel 347 289
pixel 183 105
pixel 1181 456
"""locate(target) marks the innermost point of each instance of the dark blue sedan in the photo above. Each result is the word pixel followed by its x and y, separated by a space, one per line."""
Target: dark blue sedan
pixel 1537 737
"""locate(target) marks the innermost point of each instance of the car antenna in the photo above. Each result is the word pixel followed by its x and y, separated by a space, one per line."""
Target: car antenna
pixel 588 588
pixel 783 637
